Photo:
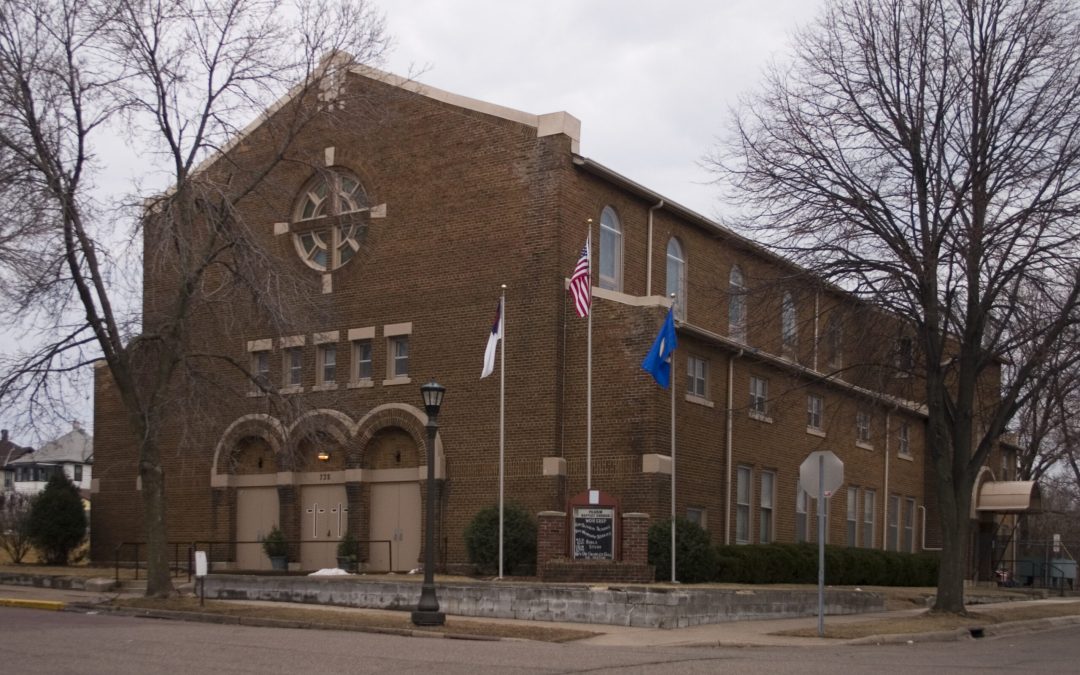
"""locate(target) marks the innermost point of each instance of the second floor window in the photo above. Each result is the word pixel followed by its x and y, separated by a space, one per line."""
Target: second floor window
pixel 815 412
pixel 862 427
pixel 759 396
pixel 362 360
pixel 697 376
pixel 610 250
pixel 327 363
pixel 904 441
pixel 294 366
pixel 399 356
pixel 676 277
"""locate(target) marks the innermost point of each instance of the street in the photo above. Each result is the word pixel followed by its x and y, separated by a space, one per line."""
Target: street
pixel 65 642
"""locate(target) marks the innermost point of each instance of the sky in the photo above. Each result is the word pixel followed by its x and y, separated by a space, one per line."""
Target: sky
pixel 652 83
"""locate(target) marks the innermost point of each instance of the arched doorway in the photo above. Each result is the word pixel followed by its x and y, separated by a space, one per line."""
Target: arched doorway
pixel 257 509
pixel 392 463
pixel 324 506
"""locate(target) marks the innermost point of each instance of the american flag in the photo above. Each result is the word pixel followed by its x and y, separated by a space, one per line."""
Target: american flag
pixel 579 283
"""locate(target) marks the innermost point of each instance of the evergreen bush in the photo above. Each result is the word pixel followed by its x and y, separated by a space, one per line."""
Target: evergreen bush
pixel 695 556
pixel 57 520
pixel 519 540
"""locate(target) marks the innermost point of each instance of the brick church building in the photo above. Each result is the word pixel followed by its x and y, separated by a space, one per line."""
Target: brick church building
pixel 408 222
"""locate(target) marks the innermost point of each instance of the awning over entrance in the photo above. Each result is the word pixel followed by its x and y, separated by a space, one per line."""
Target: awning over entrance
pixel 1009 497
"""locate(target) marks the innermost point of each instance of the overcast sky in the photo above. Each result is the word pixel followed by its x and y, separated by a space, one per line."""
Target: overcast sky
pixel 652 82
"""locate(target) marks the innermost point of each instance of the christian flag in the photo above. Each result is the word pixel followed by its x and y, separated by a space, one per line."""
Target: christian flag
pixel 580 286
pixel 658 361
pixel 493 341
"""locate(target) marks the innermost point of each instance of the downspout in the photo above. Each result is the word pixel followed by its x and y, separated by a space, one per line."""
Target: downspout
pixel 648 253
pixel 728 448
pixel 885 500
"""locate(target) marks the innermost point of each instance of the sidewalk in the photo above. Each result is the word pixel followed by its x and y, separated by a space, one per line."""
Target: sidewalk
pixel 735 633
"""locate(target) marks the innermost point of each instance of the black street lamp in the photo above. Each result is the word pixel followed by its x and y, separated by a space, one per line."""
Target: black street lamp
pixel 427 610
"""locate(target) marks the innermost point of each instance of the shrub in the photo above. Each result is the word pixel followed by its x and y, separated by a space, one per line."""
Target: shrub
pixel 57 520
pixel 274 543
pixel 519 540
pixel 15 526
pixel 695 556
pixel 844 566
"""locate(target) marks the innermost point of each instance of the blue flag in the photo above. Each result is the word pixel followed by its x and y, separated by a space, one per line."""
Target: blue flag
pixel 658 361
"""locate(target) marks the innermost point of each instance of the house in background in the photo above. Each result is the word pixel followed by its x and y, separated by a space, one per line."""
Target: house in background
pixel 72 454
pixel 9 452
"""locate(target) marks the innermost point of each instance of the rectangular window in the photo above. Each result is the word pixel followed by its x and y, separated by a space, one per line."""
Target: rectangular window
pixel 909 525
pixel 892 527
pixel 759 396
pixel 260 369
pixel 327 363
pixel 869 515
pixel 293 366
pixel 9 479
pixel 399 356
pixel 697 516
pixel 852 516
pixel 742 505
pixel 697 371
pixel 904 444
pixel 78 473
pixel 362 370
pixel 802 509
pixel 815 412
pixel 862 427
pixel 765 524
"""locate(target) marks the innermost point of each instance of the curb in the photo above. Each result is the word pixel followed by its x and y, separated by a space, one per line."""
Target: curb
pixel 254 621
pixel 49 605
pixel 990 630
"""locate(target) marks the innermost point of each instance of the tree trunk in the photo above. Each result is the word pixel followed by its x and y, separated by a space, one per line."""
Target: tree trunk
pixel 158 579
pixel 950 588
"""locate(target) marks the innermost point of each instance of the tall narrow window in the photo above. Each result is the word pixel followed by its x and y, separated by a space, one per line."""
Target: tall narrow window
pixel 611 245
pixel 909 525
pixel 765 522
pixel 903 446
pixel 834 342
pixel 362 359
pixel 78 473
pixel 294 366
pixel 892 527
pixel 815 412
pixel 736 305
pixel 742 505
pixel 789 329
pixel 852 516
pixel 676 276
pixel 869 516
pixel 905 356
pixel 697 376
pixel 759 396
pixel 399 356
pixel 260 369
pixel 802 510
pixel 862 428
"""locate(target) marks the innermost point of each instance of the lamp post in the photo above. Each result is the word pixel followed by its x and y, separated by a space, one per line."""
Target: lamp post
pixel 427 610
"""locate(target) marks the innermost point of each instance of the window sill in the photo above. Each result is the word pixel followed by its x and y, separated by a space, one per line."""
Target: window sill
pixel 329 386
pixel 396 381
pixel 813 431
pixel 698 400
pixel 906 456
pixel 864 445
pixel 295 389
pixel 760 417
pixel 365 383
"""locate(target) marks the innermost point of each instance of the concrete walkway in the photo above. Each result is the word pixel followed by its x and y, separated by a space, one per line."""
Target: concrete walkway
pixel 735 633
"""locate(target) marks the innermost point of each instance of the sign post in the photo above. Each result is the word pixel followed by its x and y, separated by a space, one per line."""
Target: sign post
pixel 200 575
pixel 820 474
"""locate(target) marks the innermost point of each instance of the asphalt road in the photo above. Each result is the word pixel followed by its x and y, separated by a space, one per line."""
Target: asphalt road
pixel 33 641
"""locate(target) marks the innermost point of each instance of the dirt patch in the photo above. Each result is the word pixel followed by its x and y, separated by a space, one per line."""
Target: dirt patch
pixel 346 619
pixel 930 622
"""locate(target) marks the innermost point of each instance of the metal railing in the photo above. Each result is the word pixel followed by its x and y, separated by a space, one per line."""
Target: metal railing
pixel 186 565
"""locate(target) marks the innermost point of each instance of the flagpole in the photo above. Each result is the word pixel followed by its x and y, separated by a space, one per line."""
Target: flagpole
pixel 673 378
pixel 588 367
pixel 502 423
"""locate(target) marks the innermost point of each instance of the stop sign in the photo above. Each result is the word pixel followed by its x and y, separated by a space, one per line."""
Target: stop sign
pixel 821 463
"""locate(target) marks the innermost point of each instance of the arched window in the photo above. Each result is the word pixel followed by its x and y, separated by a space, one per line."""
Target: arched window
pixel 676 276
pixel 789 330
pixel 610 250
pixel 322 237
pixel 736 305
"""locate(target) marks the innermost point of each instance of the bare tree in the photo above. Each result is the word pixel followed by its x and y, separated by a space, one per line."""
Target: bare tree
pixel 925 154
pixel 179 75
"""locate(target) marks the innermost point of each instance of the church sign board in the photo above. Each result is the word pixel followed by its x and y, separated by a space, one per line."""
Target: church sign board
pixel 594 526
